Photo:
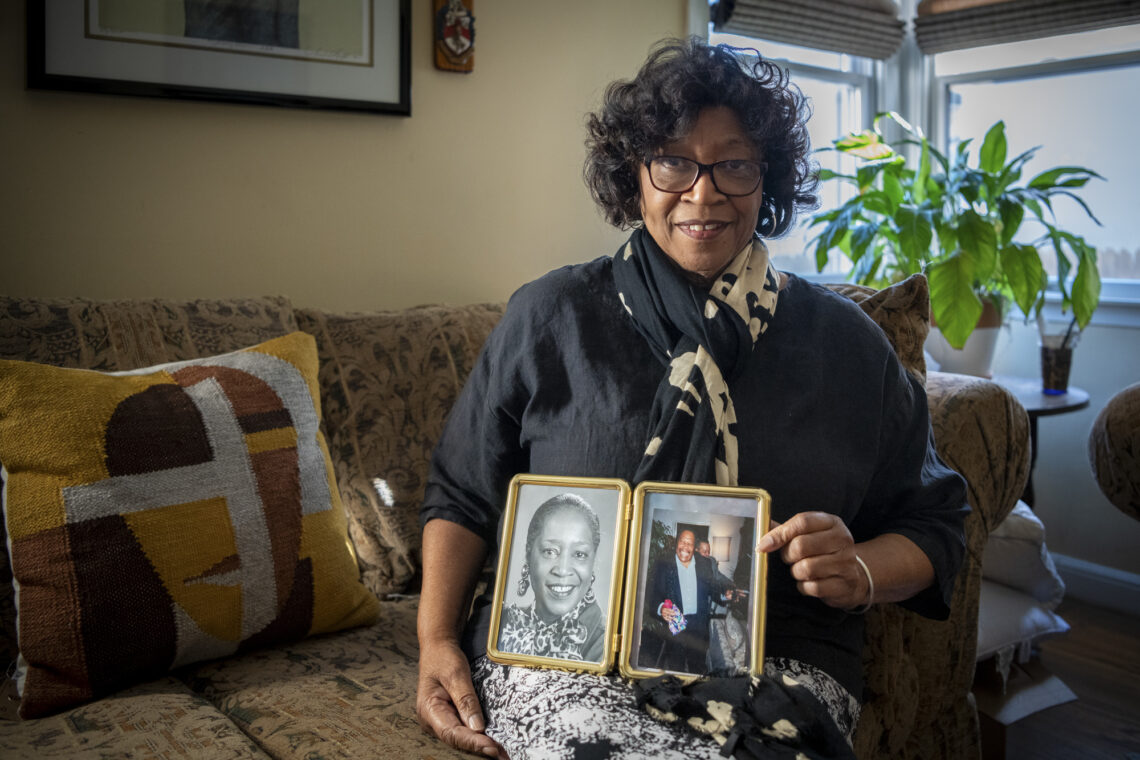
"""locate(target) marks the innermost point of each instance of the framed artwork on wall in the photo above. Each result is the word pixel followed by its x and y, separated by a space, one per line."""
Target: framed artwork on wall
pixel 334 54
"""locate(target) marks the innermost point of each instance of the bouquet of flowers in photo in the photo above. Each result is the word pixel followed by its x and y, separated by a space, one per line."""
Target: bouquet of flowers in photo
pixel 677 624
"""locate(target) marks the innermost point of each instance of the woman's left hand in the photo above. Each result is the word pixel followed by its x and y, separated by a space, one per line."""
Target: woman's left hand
pixel 820 551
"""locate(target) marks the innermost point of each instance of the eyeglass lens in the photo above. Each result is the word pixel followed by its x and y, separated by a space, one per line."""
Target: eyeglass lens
pixel 673 174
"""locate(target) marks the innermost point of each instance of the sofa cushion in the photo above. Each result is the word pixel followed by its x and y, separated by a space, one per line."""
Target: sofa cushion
pixel 388 381
pixel 168 515
pixel 902 310
pixel 1016 556
pixel 120 335
pixel 158 719
pixel 346 696
pixel 1011 621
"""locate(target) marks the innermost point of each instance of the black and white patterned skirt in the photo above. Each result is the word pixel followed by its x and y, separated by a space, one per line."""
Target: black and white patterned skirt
pixel 547 714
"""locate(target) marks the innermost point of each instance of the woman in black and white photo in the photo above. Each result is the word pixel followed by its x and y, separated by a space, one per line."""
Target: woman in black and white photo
pixel 564 620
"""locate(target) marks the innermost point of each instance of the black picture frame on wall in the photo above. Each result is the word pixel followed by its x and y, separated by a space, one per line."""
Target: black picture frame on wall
pixel 358 58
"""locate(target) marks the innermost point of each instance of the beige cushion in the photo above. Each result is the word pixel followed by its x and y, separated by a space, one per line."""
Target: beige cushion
pixel 902 311
pixel 389 379
pixel 158 719
pixel 352 695
pixel 1016 556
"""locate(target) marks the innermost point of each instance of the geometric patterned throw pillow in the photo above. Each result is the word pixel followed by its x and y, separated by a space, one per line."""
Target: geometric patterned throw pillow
pixel 168 515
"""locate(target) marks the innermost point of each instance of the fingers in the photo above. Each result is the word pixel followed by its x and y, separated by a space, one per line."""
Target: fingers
pixel 821 567
pixel 832 591
pixel 447 705
pixel 820 554
pixel 802 524
pixel 771 540
pixel 822 543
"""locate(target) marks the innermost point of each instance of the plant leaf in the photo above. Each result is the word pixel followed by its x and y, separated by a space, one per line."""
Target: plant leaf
pixel 826 174
pixel 991 158
pixel 1086 289
pixel 865 144
pixel 821 249
pixel 969 183
pixel 897 119
pixel 915 231
pixel 1011 213
pixel 866 269
pixel 955 305
pixel 1064 266
pixel 977 241
pixel 878 202
pixel 1049 178
pixel 1082 204
pixel 1017 163
pixel 1021 265
pixel 893 189
pixel 918 187
pixel 862 236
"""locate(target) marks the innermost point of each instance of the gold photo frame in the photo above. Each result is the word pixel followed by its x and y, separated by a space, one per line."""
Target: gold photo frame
pixel 560 585
pixel 729 639
pixel 559 618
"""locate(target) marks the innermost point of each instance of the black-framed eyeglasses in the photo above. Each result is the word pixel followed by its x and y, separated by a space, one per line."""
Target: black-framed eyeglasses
pixel 675 174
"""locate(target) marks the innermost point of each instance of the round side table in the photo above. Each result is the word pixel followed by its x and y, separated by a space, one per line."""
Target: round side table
pixel 1039 404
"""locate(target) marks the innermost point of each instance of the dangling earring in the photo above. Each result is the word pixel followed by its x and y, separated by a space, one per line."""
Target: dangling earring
pixel 589 597
pixel 524 581
pixel 767 222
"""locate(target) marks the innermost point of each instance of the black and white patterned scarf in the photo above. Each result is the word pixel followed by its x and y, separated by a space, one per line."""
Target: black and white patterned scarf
pixel 524 632
pixel 706 339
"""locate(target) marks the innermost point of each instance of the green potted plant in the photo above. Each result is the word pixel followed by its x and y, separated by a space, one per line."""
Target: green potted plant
pixel 958 223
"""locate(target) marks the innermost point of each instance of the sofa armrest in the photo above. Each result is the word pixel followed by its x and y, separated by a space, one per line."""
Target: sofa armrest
pixel 982 432
pixel 918 671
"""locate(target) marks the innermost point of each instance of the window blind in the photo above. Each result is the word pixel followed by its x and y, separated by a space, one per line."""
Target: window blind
pixel 869 28
pixel 943 25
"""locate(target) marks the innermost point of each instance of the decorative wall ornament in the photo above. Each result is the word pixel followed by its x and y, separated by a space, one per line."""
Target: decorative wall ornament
pixel 454 33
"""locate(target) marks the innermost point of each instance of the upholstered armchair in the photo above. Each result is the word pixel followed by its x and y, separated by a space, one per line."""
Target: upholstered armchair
pixel 1114 450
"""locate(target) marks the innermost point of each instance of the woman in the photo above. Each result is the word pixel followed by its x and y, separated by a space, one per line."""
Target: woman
pixel 565 620
pixel 687 357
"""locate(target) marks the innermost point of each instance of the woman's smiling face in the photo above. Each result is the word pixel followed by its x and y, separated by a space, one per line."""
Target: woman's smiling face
pixel 561 563
pixel 702 229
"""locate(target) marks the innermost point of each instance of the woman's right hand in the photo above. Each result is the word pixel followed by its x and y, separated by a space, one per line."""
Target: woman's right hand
pixel 446 702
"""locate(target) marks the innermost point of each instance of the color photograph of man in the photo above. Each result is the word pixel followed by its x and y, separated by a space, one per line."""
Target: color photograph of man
pixel 681 590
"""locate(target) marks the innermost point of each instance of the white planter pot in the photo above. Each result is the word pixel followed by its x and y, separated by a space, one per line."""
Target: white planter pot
pixel 975 358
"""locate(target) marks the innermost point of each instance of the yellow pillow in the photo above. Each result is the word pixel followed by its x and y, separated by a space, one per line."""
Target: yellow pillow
pixel 169 515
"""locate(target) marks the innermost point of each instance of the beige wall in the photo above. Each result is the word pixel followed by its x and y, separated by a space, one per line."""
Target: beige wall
pixel 477 192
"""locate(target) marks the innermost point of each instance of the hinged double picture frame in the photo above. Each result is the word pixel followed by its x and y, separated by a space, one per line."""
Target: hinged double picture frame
pixel 663 578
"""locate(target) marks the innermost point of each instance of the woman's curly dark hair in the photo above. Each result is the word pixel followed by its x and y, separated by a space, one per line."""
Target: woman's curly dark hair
pixel 661 104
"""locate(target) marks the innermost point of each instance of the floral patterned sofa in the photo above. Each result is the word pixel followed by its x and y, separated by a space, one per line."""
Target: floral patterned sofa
pixel 387 380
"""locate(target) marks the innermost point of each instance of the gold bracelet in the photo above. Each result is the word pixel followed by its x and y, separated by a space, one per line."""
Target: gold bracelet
pixel 870 589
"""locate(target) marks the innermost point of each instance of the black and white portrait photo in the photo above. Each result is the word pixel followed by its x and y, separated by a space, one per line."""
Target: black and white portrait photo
pixel 556 595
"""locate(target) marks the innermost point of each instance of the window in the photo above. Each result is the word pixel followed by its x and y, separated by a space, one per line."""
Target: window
pixel 840 89
pixel 1075 96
